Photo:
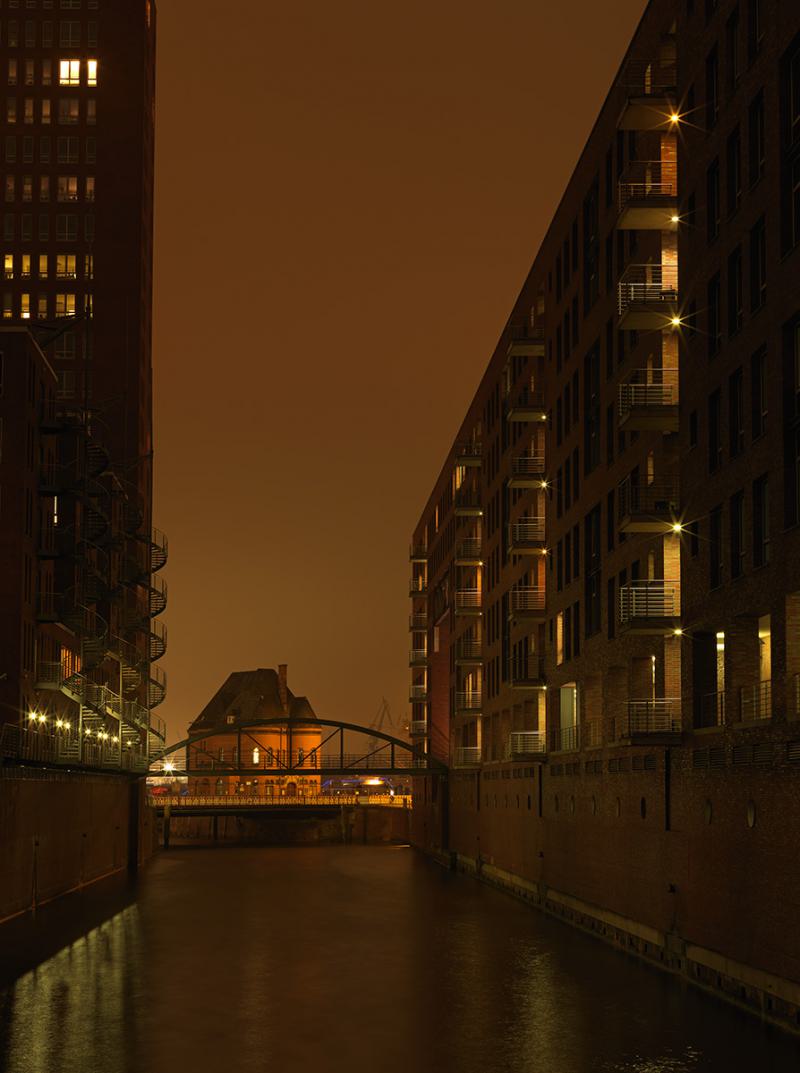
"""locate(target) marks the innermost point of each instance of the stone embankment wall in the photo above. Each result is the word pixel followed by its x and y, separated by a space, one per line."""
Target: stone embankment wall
pixel 362 824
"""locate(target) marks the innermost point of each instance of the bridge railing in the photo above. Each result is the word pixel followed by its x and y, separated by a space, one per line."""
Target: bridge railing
pixel 237 801
pixel 279 761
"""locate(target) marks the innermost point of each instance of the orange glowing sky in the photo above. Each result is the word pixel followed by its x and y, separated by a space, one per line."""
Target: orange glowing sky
pixel 348 198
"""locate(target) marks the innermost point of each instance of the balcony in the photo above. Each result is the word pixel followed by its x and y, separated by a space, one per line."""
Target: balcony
pixel 653 718
pixel 527 471
pixel 468 552
pixel 526 342
pixel 417 693
pixel 418 586
pixel 650 94
pixel 417 623
pixel 468 702
pixel 525 743
pixel 418 553
pixel 467 756
pixel 648 196
pixel 650 607
pixel 468 653
pixel 529 406
pixel 526 536
pixel 467 503
pixel 647 508
pixel 468 454
pixel 565 739
pixel 648 297
pixel 755 702
pixel 467 601
pixel 526 602
pixel 648 402
pixel 418 728
pixel 418 657
pixel 527 673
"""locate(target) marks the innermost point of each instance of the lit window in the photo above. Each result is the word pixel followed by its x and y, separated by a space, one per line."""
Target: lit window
pixel 91 72
pixel 256 755
pixel 90 188
pixel 41 307
pixel 12 72
pixel 46 110
pixel 67 188
pixel 44 188
pixel 65 266
pixel 8 266
pixel 43 266
pixel 28 113
pixel 65 305
pixel 11 110
pixel 25 270
pixel 27 188
pixel 25 306
pixel 28 72
pixel 68 111
pixel 88 266
pixel 47 72
pixel 9 187
pixel 69 72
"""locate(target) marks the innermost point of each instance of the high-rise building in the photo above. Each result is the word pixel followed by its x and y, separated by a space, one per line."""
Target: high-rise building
pixel 605 578
pixel 77 256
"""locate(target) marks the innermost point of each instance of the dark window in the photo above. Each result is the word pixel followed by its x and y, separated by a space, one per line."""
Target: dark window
pixel 714 431
pixel 576 399
pixel 592 570
pixel 610 434
pixel 559 422
pixel 712 88
pixel 732 49
pixel 791 412
pixel 758 264
pixel 755 29
pixel 611 521
pixel 714 337
pixel 715 547
pixel 736 412
pixel 576 324
pixel 734 170
pixel 611 602
pixel 610 177
pixel 756 142
pixel 712 200
pixel 693 428
pixel 737 534
pixel 761 542
pixel 609 349
pixel 610 263
pixel 591 409
pixel 576 550
pixel 790 145
pixel 576 480
pixel 735 291
pixel 758 392
pixel 591 244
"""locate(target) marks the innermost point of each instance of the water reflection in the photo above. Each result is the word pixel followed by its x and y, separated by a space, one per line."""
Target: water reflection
pixel 255 959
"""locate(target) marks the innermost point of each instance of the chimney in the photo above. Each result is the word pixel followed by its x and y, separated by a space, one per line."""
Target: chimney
pixel 284 693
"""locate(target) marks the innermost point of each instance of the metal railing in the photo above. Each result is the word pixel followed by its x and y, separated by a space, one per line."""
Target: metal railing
pixel 652 389
pixel 660 715
pixel 645 179
pixel 712 709
pixel 565 739
pixel 654 285
pixel 281 800
pixel 467 499
pixel 469 451
pixel 526 532
pixel 526 599
pixel 527 466
pixel 417 692
pixel 649 599
pixel 528 670
pixel 470 548
pixel 49 744
pixel 468 700
pixel 659 499
pixel 467 600
pixel 418 655
pixel 419 728
pixel 418 586
pixel 157 639
pixel 525 743
pixel 418 623
pixel 468 650
pixel 159 550
pixel 755 702
pixel 418 552
pixel 277 761
pixel 467 756
pixel 650 79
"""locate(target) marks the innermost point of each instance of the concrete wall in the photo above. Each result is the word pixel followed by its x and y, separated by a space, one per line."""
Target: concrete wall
pixel 60 832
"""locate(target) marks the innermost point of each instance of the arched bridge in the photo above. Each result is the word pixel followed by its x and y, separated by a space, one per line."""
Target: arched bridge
pixel 281 747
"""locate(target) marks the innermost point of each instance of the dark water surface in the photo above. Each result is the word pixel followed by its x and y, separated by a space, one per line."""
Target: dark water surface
pixel 343 959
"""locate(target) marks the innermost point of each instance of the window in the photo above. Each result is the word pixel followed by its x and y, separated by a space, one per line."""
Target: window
pixel 714 431
pixel 90 187
pixel 758 392
pixel 47 72
pixel 44 227
pixel 67 150
pixel 761 535
pixel 737 534
pixel 66 228
pixel 68 111
pixel 44 187
pixel 10 187
pixel 91 111
pixel 11 110
pixel 735 292
pixel 8 265
pixel 712 89
pixel 44 149
pixel 736 412
pixel 790 146
pixel 69 72
pixel 45 110
pixel 715 547
pixel 29 80
pixel 41 307
pixel 43 266
pixel 732 49
pixel 591 247
pixel 712 200
pixel 593 571
pixel 755 29
pixel 91 72
pixel 591 410
pixel 69 34
pixel 10 149
pixel 714 337
pixel 758 265
pixel 756 140
pixel 734 170
pixel 65 305
pixel 27 110
pixel 12 72
pixel 65 266
pixel 67 188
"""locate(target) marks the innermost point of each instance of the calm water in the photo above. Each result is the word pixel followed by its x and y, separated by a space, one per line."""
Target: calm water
pixel 347 959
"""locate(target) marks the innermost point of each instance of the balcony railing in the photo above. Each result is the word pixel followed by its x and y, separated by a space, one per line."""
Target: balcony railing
pixel 650 390
pixel 529 405
pixel 564 739
pixel 712 709
pixel 467 601
pixel 469 550
pixel 467 756
pixel 648 180
pixel 469 701
pixel 417 657
pixel 657 599
pixel 526 600
pixel 418 553
pixel 528 466
pixel 469 454
pixel 653 78
pixel 468 651
pixel 643 506
pixel 419 728
pixel 527 672
pixel 755 702
pixel 418 586
pixel 417 692
pixel 525 340
pixel 525 743
pixel 649 294
pixel 527 534
pixel 417 623
pixel 467 501
pixel 660 715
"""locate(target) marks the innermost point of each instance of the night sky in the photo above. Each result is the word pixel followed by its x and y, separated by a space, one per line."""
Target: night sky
pixel 348 198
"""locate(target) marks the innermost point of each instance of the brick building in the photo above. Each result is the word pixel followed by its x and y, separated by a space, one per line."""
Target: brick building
pixel 77 158
pixel 605 633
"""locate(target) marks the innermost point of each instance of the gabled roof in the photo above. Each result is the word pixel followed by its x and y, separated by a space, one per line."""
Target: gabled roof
pixel 249 696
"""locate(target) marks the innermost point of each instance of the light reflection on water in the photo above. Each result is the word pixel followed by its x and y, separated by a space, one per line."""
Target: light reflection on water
pixel 355 957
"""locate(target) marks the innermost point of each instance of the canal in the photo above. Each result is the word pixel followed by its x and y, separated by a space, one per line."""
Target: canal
pixel 342 959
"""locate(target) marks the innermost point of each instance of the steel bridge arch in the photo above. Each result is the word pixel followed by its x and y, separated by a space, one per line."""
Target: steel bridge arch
pixel 381 759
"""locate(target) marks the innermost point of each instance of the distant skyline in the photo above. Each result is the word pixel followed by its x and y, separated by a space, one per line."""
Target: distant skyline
pixel 347 202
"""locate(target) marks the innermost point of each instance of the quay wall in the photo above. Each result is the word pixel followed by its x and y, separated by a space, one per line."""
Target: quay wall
pixel 361 824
